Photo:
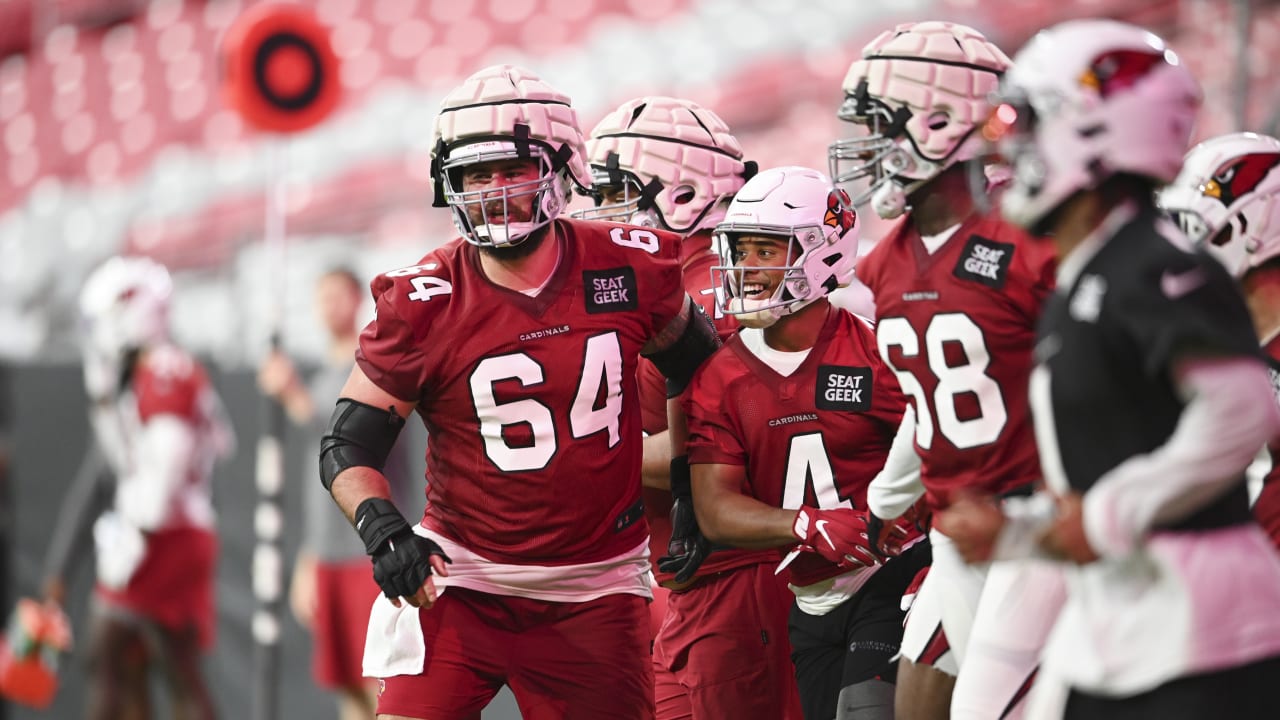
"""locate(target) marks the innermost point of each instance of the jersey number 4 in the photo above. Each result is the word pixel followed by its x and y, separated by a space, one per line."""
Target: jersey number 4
pixel 969 378
pixel 597 404
pixel 808 464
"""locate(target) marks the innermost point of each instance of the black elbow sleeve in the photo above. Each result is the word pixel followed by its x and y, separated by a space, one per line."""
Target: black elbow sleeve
pixel 359 435
pixel 681 359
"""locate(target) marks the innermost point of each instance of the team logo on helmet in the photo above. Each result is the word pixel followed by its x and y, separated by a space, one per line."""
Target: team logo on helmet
pixel 1239 176
pixel 839 213
pixel 1119 69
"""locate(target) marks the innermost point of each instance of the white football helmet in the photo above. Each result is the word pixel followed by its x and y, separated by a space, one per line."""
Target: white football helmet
pixel 1086 100
pixel 675 162
pixel 919 93
pixel 505 112
pixel 821 229
pixel 124 306
pixel 1227 199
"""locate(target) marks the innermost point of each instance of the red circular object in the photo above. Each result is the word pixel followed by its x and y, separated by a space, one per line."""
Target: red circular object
pixel 279 69
pixel 289 71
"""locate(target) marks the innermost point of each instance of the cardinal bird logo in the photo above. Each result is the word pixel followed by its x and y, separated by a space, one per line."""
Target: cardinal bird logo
pixel 839 214
pixel 1119 69
pixel 1239 176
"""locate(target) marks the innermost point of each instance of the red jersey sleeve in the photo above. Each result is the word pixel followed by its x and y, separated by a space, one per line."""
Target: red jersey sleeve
pixel 390 352
pixel 1037 262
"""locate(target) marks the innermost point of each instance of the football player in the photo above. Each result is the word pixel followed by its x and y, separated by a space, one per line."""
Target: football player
pixel 1226 200
pixel 1149 395
pixel 517 344
pixel 789 421
pixel 161 426
pixel 672 164
pixel 957 294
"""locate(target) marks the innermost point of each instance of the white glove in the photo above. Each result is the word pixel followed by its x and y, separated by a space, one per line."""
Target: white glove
pixel 120 547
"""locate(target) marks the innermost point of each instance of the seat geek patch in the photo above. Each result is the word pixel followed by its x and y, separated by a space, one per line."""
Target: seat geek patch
pixel 611 290
pixel 843 387
pixel 985 261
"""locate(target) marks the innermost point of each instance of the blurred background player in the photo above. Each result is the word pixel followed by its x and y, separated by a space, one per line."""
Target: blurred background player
pixel 332 589
pixel 161 426
pixel 957 295
pixel 517 344
pixel 1227 200
pixel 1149 394
pixel 670 163
pixel 788 423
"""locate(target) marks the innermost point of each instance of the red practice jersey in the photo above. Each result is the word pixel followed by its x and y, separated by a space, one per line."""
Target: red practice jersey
pixel 816 437
pixel 168 381
pixel 958 328
pixel 1267 507
pixel 530 402
pixel 696 260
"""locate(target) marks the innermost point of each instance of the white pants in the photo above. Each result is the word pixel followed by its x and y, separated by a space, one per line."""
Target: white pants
pixel 948 599
pixel 1019 606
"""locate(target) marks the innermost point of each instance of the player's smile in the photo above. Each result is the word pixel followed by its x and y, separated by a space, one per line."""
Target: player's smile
pixel 755 290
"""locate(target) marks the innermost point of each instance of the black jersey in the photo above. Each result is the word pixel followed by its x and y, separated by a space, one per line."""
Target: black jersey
pixel 1107 344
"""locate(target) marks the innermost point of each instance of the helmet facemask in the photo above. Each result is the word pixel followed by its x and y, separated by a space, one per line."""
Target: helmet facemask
pixel 619 196
pixel 873 164
pixel 483 215
pixel 790 293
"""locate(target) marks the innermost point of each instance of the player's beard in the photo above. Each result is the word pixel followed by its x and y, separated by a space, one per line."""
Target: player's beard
pixel 522 249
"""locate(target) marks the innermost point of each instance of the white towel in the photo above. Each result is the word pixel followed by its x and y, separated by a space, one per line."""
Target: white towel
pixel 394 643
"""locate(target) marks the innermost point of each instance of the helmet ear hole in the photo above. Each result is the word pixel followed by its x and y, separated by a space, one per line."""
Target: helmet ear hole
pixel 937 120
pixel 684 194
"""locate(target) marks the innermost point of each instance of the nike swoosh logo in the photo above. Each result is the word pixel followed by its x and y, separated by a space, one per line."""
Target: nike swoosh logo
pixel 1175 286
pixel 821 527
pixel 360 523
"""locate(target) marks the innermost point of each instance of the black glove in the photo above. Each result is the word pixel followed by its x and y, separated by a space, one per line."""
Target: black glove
pixel 401 558
pixel 687 548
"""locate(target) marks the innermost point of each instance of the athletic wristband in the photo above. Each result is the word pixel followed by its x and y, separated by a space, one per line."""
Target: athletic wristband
pixel 681 478
pixel 376 521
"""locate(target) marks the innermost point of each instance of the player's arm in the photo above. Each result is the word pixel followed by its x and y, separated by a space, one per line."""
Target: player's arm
pixel 353 452
pixel 678 350
pixel 353 444
pixel 897 486
pixel 984 529
pixel 731 518
pixel 164 451
pixel 1218 434
pixel 655 470
pixel 727 516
